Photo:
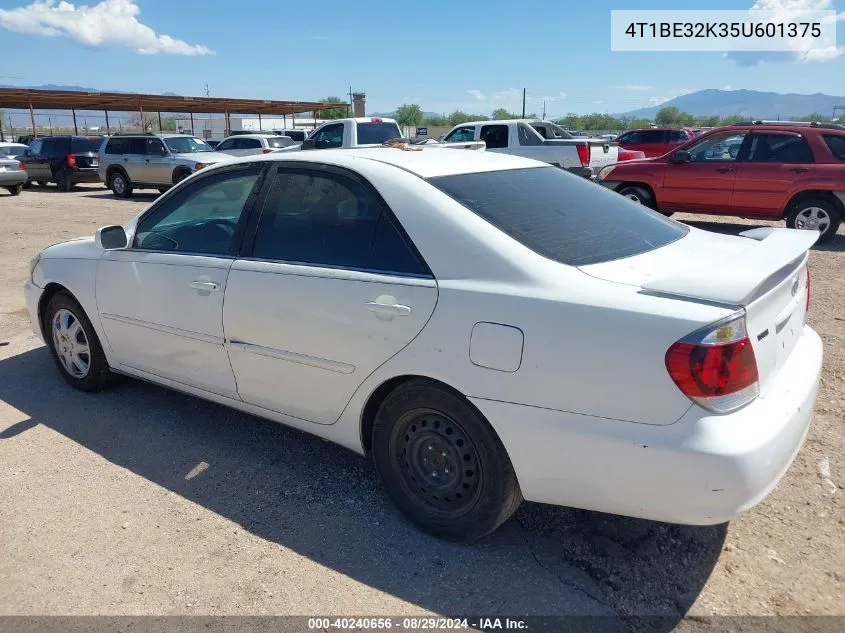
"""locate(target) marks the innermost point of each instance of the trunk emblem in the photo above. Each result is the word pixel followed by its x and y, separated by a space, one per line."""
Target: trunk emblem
pixel 795 284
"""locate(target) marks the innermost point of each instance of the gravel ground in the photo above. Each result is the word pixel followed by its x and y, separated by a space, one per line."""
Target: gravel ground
pixel 144 501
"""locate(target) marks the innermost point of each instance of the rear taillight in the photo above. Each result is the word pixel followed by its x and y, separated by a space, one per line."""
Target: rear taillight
pixel 22 167
pixel 716 367
pixel 266 150
pixel 71 160
pixel 584 155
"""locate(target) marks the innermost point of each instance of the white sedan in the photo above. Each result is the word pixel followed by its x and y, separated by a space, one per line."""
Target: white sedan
pixel 487 327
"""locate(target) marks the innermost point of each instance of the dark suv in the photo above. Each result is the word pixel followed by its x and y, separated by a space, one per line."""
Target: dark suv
pixel 64 160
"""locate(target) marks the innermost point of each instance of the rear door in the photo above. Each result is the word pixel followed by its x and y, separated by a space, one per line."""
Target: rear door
pixel 135 161
pixel 329 289
pixel 706 183
pixel 770 167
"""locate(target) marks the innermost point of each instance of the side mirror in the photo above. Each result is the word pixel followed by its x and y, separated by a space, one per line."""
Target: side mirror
pixel 681 156
pixel 110 238
pixel 309 143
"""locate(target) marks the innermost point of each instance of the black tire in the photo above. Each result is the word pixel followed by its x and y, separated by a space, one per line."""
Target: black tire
pixel 98 374
pixel 120 185
pixel 15 190
pixel 179 176
pixel 642 196
pixel 163 189
pixel 27 184
pixel 804 213
pixel 421 427
pixel 63 182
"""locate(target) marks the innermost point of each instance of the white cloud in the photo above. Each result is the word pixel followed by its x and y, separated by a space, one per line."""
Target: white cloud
pixel 477 94
pixel 321 37
pixel 635 87
pixel 107 24
pixel 653 101
pixel 727 87
pixel 752 58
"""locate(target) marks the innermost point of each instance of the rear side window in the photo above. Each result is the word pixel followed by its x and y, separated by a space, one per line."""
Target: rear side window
pixel 836 143
pixel 377 133
pixel 249 143
pixel 559 216
pixel 779 148
pixel 117 146
pixel 137 145
pixel 654 136
pixel 678 136
pixel 82 145
pixel 56 146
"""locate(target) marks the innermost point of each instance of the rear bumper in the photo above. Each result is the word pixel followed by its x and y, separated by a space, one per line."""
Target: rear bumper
pixel 584 172
pixel 12 178
pixel 85 175
pixel 704 469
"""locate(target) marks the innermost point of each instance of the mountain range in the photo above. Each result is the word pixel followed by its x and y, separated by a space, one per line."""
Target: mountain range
pixel 747 103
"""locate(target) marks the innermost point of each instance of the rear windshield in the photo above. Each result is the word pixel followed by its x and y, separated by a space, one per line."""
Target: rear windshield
pixel 377 133
pixel 296 135
pixel 280 141
pixel 836 143
pixel 80 145
pixel 563 217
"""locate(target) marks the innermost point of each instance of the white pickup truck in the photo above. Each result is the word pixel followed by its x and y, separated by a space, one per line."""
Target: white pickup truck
pixel 540 140
pixel 363 132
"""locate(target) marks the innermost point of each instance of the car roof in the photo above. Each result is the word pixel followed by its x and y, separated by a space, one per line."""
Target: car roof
pixel 423 162
pixel 251 135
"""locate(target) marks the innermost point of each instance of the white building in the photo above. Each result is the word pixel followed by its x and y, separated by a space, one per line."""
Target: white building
pixel 214 128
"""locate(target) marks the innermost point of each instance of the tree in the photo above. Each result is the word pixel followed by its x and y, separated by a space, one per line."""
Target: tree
pixel 408 115
pixel 458 117
pixel 435 121
pixel 571 122
pixel 333 113
pixel 711 121
pixel 668 116
pixel 734 118
pixel 500 114
pixel 146 125
pixel 634 124
pixel 815 117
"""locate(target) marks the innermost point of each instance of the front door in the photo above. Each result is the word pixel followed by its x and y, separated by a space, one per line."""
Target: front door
pixel 158 163
pixel 36 167
pixel 706 183
pixel 330 289
pixel 771 167
pixel 161 300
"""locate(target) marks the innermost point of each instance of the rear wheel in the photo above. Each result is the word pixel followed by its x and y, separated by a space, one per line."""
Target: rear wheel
pixel 15 190
pixel 74 344
pixel 119 185
pixel 63 182
pixel 179 176
pixel 815 214
pixel 442 463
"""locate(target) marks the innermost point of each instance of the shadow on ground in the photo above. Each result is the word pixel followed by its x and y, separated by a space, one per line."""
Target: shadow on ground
pixel 836 245
pixel 137 196
pixel 325 503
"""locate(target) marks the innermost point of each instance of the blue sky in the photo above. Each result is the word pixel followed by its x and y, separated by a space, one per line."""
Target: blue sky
pixel 444 55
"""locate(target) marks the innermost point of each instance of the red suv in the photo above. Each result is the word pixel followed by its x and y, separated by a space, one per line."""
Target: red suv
pixel 655 141
pixel 764 170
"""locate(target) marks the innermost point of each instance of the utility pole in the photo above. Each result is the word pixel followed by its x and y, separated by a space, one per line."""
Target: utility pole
pixel 544 109
pixel 523 103
pixel 349 105
pixel 207 93
pixel 837 109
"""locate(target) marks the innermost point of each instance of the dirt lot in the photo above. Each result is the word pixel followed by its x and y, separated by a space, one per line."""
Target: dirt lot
pixel 144 501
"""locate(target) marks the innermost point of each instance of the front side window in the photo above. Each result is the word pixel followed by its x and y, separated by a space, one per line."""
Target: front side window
pixel 229 143
pixel 568 220
pixel 155 147
pixel 461 135
pixel 35 147
pixel 329 137
pixel 330 220
pixel 779 148
pixel 186 145
pixel 528 136
pixel 202 218
pixel 717 147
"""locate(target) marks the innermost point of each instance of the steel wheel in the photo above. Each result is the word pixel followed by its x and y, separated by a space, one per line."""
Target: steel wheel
pixel 438 462
pixel 118 184
pixel 634 197
pixel 71 344
pixel 812 219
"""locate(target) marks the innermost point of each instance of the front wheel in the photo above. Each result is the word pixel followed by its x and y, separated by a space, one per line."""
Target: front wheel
pixel 815 214
pixel 63 182
pixel 15 190
pixel 74 344
pixel 442 463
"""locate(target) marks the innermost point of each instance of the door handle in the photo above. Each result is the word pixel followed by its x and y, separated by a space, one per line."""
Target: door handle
pixel 205 286
pixel 725 170
pixel 799 170
pixel 392 309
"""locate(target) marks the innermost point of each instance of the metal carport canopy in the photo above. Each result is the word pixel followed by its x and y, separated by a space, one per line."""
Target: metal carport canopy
pixel 23 98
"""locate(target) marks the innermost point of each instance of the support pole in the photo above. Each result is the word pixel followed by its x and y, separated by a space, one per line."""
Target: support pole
pixel 32 117
pixel 2 137
pixel 293 120
pixel 143 123
pixel 75 129
pixel 160 127
pixel 108 128
pixel 228 127
pixel 260 129
pixel 192 124
pixel 523 103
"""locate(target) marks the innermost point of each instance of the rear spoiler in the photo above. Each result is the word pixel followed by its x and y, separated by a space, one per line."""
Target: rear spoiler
pixel 738 278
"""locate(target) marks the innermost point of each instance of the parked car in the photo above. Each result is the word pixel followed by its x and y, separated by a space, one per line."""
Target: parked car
pixel 249 144
pixel 759 171
pixel 12 175
pixel 12 150
pixel 64 160
pixel 489 328
pixel 581 156
pixel 655 141
pixel 152 161
pixel 629 154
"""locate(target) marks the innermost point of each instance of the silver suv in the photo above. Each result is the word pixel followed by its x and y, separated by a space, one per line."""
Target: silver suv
pixel 152 161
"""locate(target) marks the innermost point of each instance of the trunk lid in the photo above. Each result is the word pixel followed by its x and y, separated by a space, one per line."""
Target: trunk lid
pixel 764 272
